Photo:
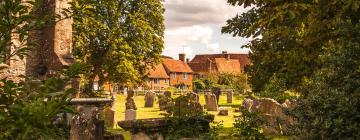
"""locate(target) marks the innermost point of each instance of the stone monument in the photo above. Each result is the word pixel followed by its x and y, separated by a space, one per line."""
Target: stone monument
pixel 211 103
pixel 149 99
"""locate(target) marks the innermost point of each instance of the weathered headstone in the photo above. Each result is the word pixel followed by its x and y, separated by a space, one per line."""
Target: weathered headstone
pixel 149 99
pixel 164 101
pixel 247 104
pixel 216 91
pixel 86 124
pixel 130 103
pixel 109 117
pixel 193 96
pixel 211 102
pixel 272 112
pixel 130 114
pixel 223 112
pixel 229 97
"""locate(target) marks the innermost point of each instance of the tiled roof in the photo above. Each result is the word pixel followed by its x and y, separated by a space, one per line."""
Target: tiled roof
pixel 158 72
pixel 227 66
pixel 172 65
pixel 243 58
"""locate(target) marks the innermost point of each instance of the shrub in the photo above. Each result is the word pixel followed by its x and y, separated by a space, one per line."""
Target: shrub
pixel 186 119
pixel 247 126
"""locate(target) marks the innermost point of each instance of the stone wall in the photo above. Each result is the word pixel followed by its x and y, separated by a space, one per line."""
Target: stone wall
pixel 53 49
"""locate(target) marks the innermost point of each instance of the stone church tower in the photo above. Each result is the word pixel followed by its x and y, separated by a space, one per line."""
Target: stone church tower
pixel 54 46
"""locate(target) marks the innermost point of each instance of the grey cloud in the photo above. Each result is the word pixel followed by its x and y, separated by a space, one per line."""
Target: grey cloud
pixel 181 13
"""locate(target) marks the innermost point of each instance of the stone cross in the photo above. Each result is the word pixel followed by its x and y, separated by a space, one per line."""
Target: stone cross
pixel 149 99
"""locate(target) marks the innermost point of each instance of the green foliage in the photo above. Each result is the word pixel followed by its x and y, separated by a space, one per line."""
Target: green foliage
pixel 329 105
pixel 314 46
pixel 199 85
pixel 120 39
pixel 247 126
pixel 186 119
pixel 278 46
pixel 30 109
pixel 17 19
pixel 276 89
pixel 238 82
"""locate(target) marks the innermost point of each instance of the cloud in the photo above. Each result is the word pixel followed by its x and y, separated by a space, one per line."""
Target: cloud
pixel 182 36
pixel 213 47
pixel 193 27
pixel 182 13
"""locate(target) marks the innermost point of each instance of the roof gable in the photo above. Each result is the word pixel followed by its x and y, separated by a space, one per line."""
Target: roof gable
pixel 172 65
pixel 227 66
pixel 158 72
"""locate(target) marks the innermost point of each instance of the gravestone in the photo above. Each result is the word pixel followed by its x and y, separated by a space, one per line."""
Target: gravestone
pixel 86 124
pixel 211 102
pixel 130 114
pixel 216 91
pixel 229 97
pixel 165 100
pixel 272 112
pixel 193 96
pixel 223 111
pixel 130 103
pixel 109 117
pixel 149 99
pixel 247 104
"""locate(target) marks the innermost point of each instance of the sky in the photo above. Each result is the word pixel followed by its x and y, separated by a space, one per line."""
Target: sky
pixel 194 27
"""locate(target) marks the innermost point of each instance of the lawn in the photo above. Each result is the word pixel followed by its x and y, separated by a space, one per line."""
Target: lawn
pixel 155 112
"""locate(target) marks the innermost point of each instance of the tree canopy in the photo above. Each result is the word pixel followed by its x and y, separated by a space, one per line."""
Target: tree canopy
pixel 120 39
pixel 312 45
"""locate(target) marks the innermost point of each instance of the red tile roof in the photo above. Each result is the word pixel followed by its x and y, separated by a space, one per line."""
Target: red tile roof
pixel 172 65
pixel 158 72
pixel 200 63
pixel 227 66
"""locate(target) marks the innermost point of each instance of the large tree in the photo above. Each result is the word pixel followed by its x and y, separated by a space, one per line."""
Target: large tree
pixel 120 39
pixel 314 46
pixel 278 48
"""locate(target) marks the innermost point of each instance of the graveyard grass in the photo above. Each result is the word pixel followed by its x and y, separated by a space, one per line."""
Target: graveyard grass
pixel 154 112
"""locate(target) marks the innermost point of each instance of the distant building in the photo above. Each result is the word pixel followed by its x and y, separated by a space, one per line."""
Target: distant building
pixel 171 73
pixel 219 63
pixel 158 78
pixel 180 73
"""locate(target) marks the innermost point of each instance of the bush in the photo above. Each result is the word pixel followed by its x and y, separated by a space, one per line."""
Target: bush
pixel 276 89
pixel 186 119
pixel 247 126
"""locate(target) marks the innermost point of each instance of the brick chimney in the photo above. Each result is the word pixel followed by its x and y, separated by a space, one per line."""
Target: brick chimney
pixel 182 57
pixel 226 55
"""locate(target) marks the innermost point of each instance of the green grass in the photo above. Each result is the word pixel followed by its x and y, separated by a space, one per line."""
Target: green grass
pixel 154 112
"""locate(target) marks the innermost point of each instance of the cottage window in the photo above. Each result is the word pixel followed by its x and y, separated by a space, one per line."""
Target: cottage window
pixel 166 81
pixel 185 76
pixel 174 75
pixel 156 81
